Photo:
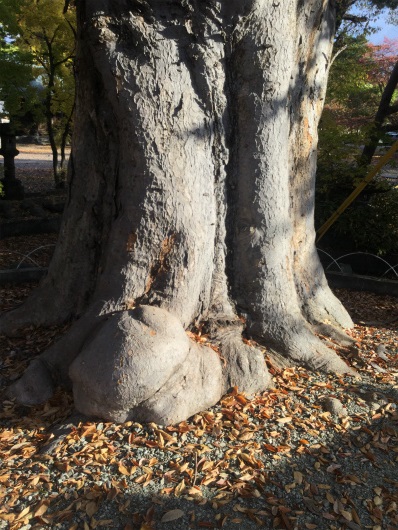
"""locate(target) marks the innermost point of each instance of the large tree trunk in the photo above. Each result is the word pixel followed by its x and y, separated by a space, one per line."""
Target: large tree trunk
pixel 191 206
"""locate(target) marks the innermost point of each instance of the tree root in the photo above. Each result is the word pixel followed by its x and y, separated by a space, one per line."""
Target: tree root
pixel 320 305
pixel 61 431
pixel 244 365
pixel 335 334
pixel 38 310
pixel 51 368
pixel 156 373
pixel 35 386
pixel 141 365
pixel 298 345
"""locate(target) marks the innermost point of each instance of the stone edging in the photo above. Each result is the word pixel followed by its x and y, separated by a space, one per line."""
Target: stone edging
pixel 31 274
pixel 30 226
pixel 362 283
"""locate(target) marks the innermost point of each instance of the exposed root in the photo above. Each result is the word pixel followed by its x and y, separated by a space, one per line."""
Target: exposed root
pixel 140 364
pixel 335 334
pixel 195 386
pixel 244 365
pixel 42 308
pixel 298 345
pixel 35 386
pixel 325 307
pixel 60 432
pixel 51 368
pixel 280 361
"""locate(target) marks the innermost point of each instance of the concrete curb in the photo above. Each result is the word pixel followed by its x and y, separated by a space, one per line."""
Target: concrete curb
pixel 24 275
pixel 356 282
pixel 27 227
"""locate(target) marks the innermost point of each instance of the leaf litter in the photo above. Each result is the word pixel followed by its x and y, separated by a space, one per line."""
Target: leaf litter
pixel 279 460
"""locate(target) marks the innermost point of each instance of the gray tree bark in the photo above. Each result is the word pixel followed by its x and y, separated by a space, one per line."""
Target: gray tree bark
pixel 191 198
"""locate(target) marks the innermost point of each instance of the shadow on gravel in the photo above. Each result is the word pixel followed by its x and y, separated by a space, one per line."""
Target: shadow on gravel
pixel 279 461
pixel 234 466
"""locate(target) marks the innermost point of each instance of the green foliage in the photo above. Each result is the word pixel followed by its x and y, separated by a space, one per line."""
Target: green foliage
pixel 17 70
pixel 356 82
pixel 370 224
pixel 37 48
pixel 349 83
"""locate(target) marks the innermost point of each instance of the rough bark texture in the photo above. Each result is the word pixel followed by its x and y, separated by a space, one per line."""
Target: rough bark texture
pixel 190 204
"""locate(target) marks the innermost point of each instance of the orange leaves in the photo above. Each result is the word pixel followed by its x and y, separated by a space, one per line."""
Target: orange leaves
pixel 270 448
pixel 286 419
pixel 41 508
pixel 246 436
pixel 278 460
pixel 124 471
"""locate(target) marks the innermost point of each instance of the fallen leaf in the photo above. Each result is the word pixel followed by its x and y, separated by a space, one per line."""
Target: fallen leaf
pixel 41 509
pixel 286 419
pixel 172 515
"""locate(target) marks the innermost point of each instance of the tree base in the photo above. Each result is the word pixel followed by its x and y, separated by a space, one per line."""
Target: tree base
pixel 140 364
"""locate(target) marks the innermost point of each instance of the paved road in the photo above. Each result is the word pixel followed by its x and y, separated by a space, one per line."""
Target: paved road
pixel 33 157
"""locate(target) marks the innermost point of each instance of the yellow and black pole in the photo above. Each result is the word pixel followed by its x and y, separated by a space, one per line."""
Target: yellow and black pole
pixel 372 173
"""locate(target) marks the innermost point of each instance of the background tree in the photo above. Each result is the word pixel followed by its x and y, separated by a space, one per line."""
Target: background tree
pixel 17 89
pixel 359 110
pixel 384 72
pixel 46 37
pixel 191 208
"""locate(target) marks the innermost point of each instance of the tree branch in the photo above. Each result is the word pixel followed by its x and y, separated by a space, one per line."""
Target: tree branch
pixel 392 109
pixel 354 18
pixel 73 29
pixel 337 54
pixel 382 112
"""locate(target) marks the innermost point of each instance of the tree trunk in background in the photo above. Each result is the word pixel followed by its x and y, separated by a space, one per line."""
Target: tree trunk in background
pixel 191 207
pixel 385 109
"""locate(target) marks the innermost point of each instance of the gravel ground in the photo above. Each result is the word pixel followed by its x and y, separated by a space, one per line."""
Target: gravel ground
pixel 281 460
pixel 314 452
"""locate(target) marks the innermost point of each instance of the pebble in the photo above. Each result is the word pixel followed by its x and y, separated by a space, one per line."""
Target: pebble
pixel 334 406
pixel 381 352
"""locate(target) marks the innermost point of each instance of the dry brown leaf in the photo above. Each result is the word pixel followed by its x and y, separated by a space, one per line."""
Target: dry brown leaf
pixel 179 489
pixel 172 515
pixel 123 470
pixel 145 526
pixel 286 419
pixel 248 435
pixel 24 512
pixel 8 517
pixel 346 514
pixel 270 448
pixel 41 509
pixel 91 508
pixel 298 477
